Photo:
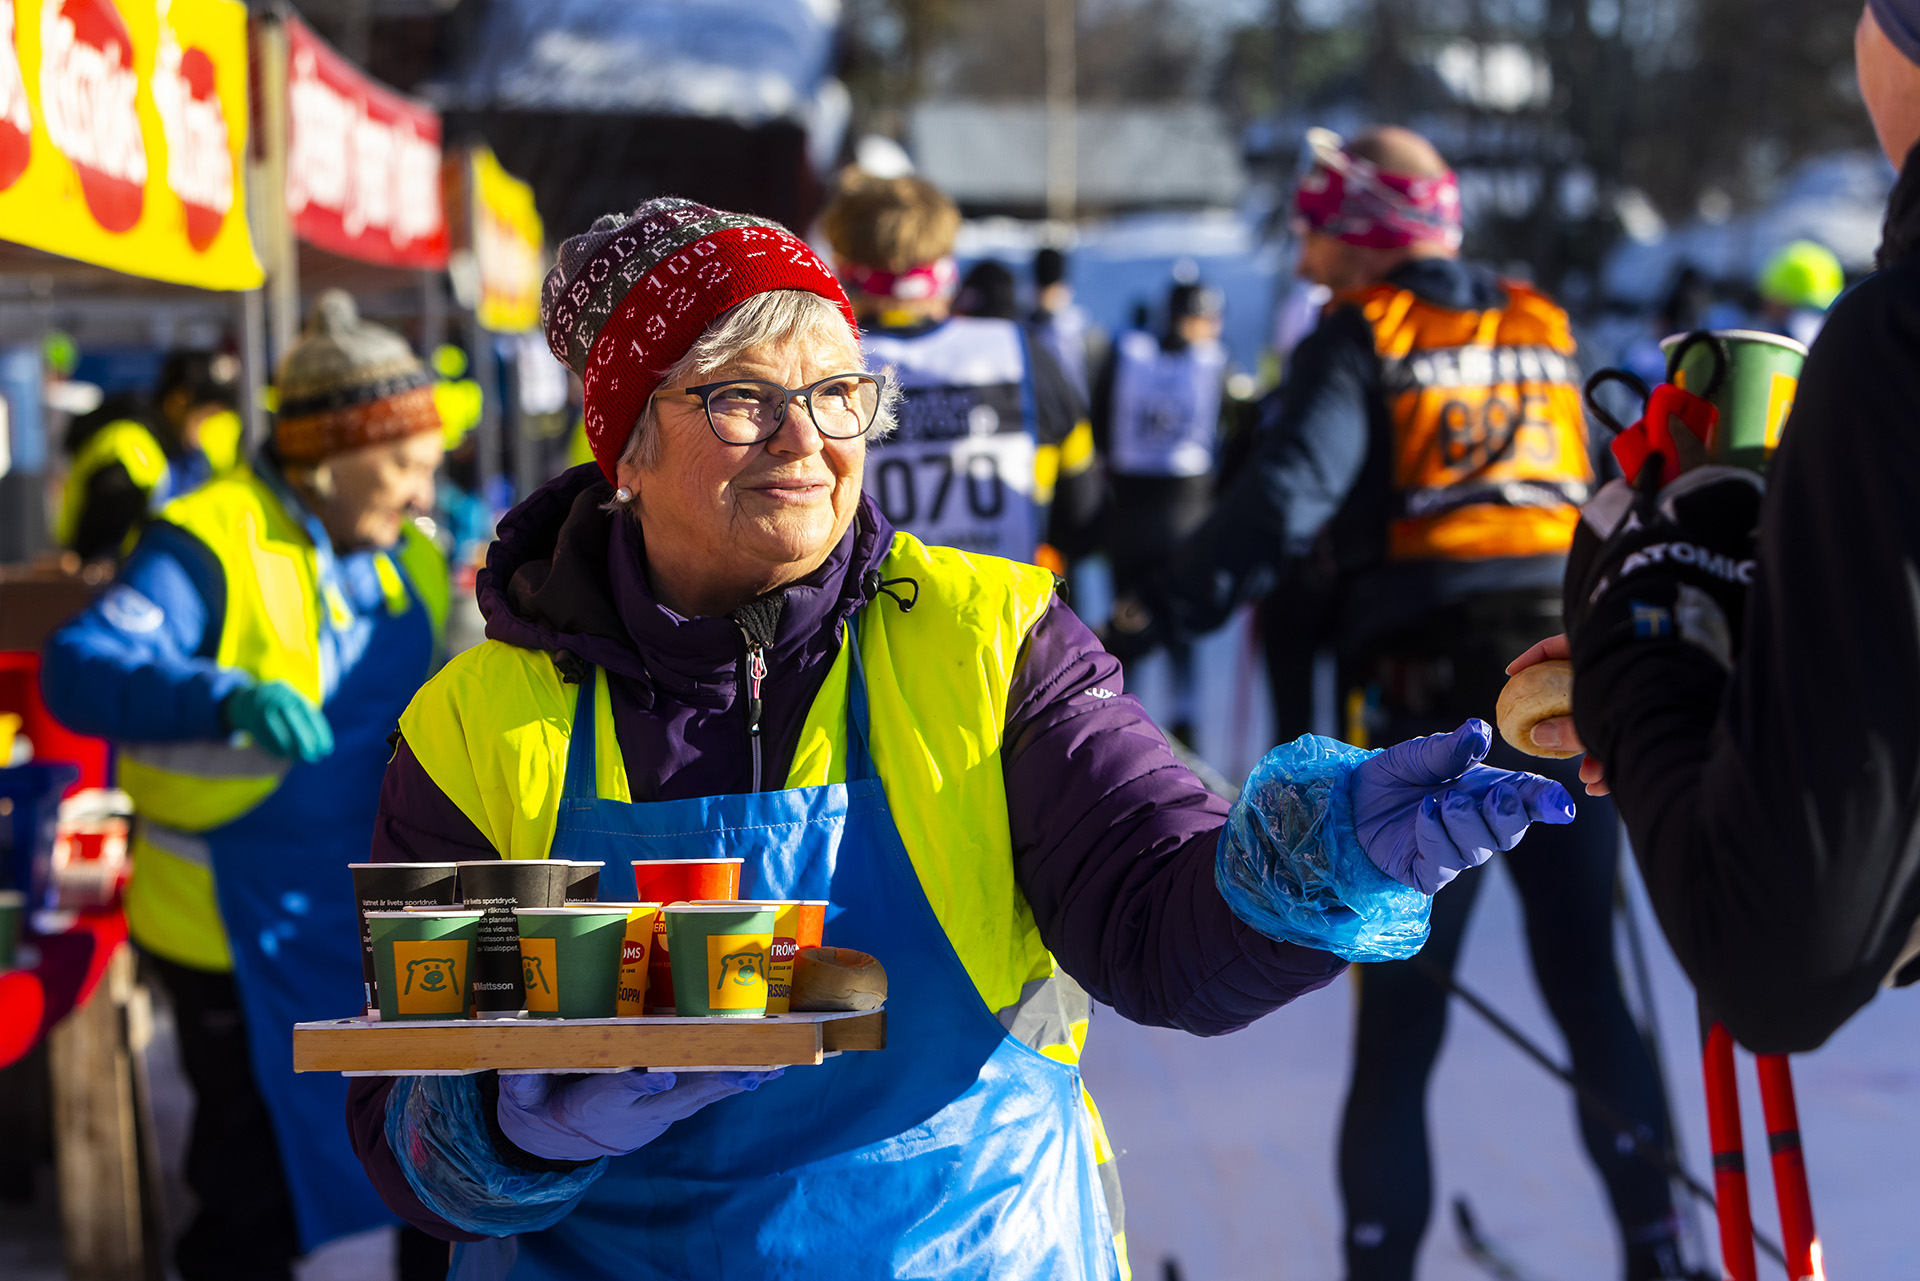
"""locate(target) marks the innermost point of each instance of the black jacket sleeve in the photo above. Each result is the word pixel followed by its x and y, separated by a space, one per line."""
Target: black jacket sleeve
pixel 1078 490
pixel 112 507
pixel 1312 447
pixel 1776 811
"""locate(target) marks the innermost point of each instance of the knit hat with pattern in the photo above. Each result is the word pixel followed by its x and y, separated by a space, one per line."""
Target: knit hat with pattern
pixel 630 296
pixel 346 383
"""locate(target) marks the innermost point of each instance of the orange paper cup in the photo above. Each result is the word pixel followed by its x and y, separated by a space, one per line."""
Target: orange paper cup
pixel 678 880
pixel 797 923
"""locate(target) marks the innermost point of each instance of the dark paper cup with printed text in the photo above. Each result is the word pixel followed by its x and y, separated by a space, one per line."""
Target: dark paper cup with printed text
pixel 423 962
pixel 678 880
pixel 497 887
pixel 722 952
pixel 583 881
pixel 570 960
pixel 393 887
pixel 797 923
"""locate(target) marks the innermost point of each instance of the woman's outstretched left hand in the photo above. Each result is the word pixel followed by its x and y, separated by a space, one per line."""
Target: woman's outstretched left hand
pixel 1426 809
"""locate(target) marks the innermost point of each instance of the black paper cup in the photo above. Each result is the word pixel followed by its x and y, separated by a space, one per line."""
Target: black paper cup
pixel 394 887
pixel 583 881
pixel 497 886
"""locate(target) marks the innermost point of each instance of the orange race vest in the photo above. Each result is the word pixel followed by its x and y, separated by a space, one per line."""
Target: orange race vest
pixel 1489 440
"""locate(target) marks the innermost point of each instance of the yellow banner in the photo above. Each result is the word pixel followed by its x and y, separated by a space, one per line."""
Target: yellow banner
pixel 508 242
pixel 123 135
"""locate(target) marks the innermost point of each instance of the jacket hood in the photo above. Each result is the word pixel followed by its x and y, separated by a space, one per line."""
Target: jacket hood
pixel 1450 282
pixel 1900 232
pixel 568 578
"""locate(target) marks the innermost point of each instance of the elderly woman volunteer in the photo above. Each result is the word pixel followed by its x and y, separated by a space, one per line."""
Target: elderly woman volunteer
pixel 712 644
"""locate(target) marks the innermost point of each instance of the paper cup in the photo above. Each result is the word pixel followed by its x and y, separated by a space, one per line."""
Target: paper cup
pixel 497 886
pixel 678 880
pixel 423 962
pixel 797 923
pixel 1758 374
pixel 570 960
pixel 583 881
pixel 13 913
pixel 392 887
pixel 723 950
pixel 636 951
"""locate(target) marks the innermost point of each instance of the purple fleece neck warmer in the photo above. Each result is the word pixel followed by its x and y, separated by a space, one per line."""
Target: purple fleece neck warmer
pixel 1900 20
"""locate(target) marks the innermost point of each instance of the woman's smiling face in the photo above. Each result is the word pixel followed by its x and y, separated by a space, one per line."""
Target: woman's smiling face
pixel 726 523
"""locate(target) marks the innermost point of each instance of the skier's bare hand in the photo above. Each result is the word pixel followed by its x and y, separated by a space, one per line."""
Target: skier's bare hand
pixel 1557 732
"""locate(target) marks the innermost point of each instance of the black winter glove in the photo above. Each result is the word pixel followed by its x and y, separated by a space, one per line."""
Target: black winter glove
pixel 1132 631
pixel 1668 565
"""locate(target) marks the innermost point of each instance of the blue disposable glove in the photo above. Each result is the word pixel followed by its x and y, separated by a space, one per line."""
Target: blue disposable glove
pixel 1426 810
pixel 281 720
pixel 608 1114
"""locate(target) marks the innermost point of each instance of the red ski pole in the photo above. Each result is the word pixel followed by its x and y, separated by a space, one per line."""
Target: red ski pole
pixel 1789 1169
pixel 1729 1157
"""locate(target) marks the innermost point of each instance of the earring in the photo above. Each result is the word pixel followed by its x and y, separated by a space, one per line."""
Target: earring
pixel 623 495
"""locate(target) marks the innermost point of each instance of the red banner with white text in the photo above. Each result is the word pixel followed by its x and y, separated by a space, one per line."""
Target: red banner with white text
pixel 363 161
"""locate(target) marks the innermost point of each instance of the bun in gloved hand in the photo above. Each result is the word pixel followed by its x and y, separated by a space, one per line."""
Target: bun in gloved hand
pixel 1535 694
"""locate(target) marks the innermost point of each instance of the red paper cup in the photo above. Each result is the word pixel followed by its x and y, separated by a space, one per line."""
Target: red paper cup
pixel 678 880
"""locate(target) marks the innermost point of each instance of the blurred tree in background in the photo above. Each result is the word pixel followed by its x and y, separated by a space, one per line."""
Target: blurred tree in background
pixel 1566 118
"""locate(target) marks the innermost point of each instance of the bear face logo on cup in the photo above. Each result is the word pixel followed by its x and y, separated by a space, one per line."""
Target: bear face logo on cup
pixel 745 969
pixel 434 975
pixel 534 975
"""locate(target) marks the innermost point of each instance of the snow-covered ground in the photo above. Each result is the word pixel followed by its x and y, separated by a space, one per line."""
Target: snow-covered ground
pixel 1228 1144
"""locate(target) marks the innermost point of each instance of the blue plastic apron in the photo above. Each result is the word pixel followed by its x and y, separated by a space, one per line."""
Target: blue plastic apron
pixel 956 1152
pixel 286 896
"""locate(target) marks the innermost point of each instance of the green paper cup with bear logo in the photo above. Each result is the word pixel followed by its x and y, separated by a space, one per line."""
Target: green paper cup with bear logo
pixel 423 962
pixel 721 954
pixel 1750 377
pixel 570 959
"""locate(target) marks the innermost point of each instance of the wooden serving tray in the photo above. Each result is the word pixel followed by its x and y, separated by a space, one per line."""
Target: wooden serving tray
pixel 371 1048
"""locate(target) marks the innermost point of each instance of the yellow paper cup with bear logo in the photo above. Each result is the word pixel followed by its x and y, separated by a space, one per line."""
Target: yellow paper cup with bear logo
pixel 423 962
pixel 570 959
pixel 636 954
pixel 722 952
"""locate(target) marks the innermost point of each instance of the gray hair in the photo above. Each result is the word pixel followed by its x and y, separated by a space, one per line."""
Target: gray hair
pixel 773 318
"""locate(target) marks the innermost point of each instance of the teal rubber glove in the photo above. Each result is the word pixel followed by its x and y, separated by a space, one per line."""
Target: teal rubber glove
pixel 281 720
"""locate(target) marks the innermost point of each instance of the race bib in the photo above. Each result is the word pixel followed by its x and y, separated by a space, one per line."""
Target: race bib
pixel 974 492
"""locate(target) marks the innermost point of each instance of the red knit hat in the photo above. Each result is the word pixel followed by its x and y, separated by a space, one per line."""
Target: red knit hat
pixel 629 297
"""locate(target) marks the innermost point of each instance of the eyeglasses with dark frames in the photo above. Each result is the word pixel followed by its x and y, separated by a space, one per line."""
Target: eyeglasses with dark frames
pixel 746 411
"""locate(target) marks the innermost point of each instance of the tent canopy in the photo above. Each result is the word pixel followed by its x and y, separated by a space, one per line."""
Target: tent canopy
pixel 749 61
pixel 600 104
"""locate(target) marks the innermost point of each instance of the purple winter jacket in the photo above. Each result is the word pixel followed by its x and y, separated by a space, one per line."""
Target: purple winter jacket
pixel 1113 839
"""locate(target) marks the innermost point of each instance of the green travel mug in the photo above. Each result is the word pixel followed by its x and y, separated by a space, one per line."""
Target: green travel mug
pixel 423 962
pixel 1750 377
pixel 727 949
pixel 570 960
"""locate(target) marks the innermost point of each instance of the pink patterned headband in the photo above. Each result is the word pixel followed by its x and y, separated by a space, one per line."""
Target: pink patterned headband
pixel 932 280
pixel 1349 199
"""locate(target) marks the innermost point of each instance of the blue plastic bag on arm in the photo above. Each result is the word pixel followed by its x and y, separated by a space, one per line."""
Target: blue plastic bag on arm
pixel 438 1132
pixel 1290 863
